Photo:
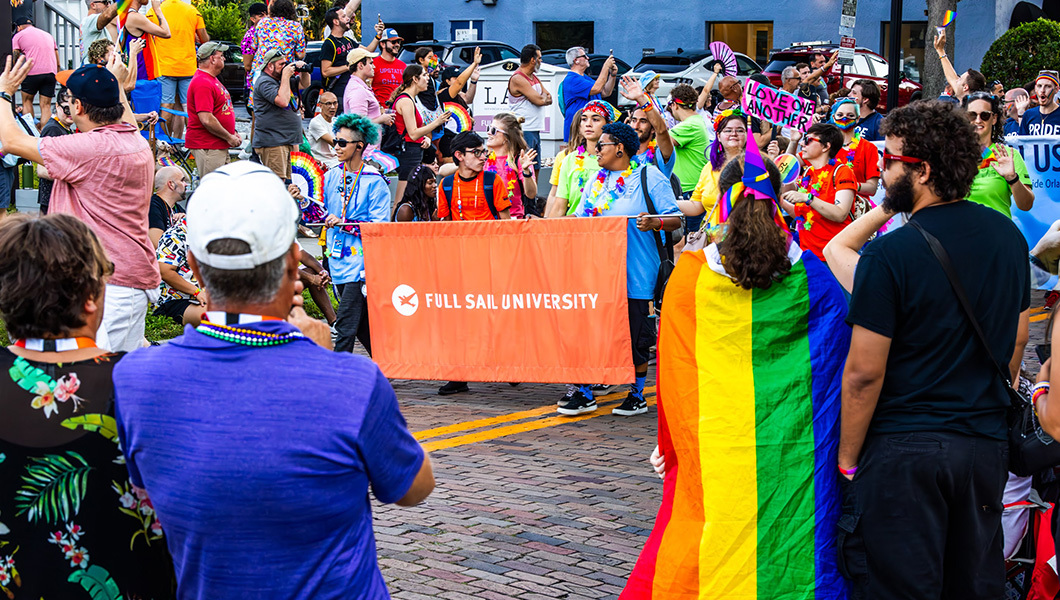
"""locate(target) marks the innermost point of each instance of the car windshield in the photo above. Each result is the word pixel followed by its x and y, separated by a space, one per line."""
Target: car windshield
pixel 666 64
pixel 785 59
pixel 408 53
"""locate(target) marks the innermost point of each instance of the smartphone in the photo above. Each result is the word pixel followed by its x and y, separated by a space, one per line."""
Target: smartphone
pixel 380 15
pixel 1044 351
pixel 611 52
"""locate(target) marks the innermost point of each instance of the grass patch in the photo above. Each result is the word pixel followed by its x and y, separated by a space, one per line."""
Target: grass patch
pixel 160 329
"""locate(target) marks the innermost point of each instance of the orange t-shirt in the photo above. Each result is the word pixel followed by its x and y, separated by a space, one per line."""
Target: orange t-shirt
pixel 176 55
pixel 469 199
pixel 821 230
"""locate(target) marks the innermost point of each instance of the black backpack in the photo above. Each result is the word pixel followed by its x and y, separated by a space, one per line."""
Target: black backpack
pixel 390 141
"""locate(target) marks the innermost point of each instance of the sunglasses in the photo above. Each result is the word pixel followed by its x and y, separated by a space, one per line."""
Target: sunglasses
pixel 491 130
pixel 889 158
pixel 983 116
pixel 601 145
pixel 341 143
pixel 810 139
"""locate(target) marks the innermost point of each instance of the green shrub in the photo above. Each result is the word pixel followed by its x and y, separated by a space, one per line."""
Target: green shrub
pixel 223 23
pixel 1016 57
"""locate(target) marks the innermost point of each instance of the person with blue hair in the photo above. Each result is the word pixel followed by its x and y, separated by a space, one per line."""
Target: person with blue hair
pixel 354 192
pixel 861 154
pixel 623 188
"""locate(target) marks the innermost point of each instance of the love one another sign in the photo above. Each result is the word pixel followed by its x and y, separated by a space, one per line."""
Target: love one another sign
pixel 777 106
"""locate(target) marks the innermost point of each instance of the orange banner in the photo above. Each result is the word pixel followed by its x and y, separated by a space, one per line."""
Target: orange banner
pixel 540 300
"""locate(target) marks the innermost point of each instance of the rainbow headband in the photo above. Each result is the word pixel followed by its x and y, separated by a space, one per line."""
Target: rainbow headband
pixel 725 114
pixel 1048 76
pixel 603 109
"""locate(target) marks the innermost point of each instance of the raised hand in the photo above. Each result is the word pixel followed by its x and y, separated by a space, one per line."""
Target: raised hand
pixel 1004 164
pixel 940 43
pixel 13 75
pixel 631 90
pixel 526 159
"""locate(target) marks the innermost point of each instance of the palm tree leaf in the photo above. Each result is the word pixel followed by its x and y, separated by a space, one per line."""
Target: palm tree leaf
pixel 97 582
pixel 27 376
pixel 53 488
pixel 104 425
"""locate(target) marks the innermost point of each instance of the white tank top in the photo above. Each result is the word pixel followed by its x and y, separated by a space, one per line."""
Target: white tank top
pixel 533 115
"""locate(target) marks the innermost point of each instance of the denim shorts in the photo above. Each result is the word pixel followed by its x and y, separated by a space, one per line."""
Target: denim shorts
pixel 172 86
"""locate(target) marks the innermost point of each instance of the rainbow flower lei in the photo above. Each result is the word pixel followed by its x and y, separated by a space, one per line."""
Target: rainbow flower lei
pixel 496 166
pixel 848 152
pixel 592 206
pixel 803 212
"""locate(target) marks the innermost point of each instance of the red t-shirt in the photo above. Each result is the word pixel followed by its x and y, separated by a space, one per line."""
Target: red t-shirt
pixel 821 230
pixel 387 78
pixel 206 94
pixel 469 199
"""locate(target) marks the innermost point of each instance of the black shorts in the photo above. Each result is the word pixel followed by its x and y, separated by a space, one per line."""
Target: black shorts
pixel 43 84
pixel 174 309
pixel 641 330
pixel 408 160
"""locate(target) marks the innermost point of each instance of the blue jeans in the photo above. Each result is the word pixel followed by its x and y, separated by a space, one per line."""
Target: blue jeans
pixel 533 140
pixel 8 177
pixel 175 89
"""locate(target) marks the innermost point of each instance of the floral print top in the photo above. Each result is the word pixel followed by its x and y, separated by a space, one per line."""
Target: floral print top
pixel 71 524
pixel 275 32
pixel 247 48
pixel 173 250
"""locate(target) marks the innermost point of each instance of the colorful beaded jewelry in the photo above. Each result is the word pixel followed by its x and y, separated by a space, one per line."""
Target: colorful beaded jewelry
pixel 247 337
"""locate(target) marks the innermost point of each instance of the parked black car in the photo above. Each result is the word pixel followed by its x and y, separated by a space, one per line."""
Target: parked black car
pixel 461 54
pixel 596 62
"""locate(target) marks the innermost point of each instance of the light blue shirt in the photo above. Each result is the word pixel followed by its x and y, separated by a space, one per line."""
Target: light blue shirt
pixel 642 255
pixel 369 202
pixel 667 167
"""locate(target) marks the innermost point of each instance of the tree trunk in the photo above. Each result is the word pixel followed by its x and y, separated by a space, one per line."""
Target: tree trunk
pixel 933 79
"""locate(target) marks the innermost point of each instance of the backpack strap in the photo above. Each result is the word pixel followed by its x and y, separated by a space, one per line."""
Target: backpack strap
pixel 488 179
pixel 666 252
pixel 447 193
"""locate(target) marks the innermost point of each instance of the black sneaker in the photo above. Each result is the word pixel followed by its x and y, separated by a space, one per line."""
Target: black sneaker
pixel 453 387
pixel 578 404
pixel 602 389
pixel 632 405
pixel 567 396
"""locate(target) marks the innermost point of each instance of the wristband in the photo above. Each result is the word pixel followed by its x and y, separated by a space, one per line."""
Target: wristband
pixel 647 107
pixel 942 56
pixel 530 174
pixel 659 228
pixel 850 472
pixel 1038 391
pixel 474 82
pixel 1015 179
pixel 6 96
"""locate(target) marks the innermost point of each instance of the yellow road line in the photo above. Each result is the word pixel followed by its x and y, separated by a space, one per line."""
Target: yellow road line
pixel 1039 310
pixel 490 434
pixel 1037 318
pixel 516 416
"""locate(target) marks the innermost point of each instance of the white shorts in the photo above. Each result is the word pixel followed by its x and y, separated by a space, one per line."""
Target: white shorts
pixel 124 313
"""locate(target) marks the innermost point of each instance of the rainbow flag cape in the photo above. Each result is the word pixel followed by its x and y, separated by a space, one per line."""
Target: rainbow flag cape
pixel 948 18
pixel 749 396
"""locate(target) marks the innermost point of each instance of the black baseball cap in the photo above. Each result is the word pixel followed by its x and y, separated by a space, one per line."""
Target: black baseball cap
pixel 450 72
pixel 258 8
pixel 23 21
pixel 95 85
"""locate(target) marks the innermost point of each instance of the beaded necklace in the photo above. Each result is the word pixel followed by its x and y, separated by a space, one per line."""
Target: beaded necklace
pixel 460 203
pixel 244 337
pixel 592 208
pixel 348 194
pixel 579 164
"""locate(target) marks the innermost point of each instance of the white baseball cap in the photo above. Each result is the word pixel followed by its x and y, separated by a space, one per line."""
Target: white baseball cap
pixel 244 201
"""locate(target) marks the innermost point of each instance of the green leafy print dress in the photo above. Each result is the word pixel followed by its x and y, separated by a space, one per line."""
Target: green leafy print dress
pixel 71 525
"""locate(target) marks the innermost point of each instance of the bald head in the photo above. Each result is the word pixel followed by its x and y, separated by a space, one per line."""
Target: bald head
pixel 730 88
pixel 165 175
pixel 328 103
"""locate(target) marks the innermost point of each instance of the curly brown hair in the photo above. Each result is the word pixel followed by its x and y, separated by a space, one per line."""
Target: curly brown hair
pixel 754 250
pixel 283 9
pixel 49 268
pixel 939 134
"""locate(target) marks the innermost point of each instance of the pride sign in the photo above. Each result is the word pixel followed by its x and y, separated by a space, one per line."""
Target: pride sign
pixel 777 106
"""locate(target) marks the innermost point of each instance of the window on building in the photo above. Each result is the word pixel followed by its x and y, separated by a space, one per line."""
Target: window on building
pixel 414 32
pixel 560 35
pixel 751 38
pixel 913 36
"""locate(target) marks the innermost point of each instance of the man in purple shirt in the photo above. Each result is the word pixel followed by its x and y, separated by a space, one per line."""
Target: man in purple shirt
pixel 359 99
pixel 262 489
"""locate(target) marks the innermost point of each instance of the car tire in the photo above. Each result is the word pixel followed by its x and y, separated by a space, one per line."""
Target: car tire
pixel 917 95
pixel 309 101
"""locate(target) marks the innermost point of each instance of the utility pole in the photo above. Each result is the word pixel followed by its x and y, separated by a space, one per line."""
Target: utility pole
pixel 894 56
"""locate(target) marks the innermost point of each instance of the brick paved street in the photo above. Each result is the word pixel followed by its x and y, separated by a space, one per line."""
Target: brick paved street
pixel 557 512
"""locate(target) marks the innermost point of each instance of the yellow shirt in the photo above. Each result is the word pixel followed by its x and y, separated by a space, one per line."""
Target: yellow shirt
pixel 176 55
pixel 706 192
pixel 556 164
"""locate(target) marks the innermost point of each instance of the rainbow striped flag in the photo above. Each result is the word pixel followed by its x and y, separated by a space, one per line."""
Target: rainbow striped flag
pixel 749 396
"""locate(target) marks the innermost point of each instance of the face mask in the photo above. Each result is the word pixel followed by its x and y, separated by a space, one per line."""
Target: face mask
pixel 844 123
